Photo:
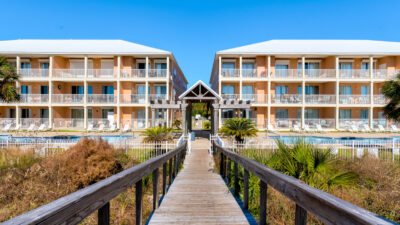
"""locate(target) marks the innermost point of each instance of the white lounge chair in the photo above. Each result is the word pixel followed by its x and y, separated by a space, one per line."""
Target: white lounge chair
pixel 307 128
pixel 90 127
pixel 101 127
pixel 31 127
pixel 394 128
pixel 296 128
pixel 380 128
pixel 17 127
pixel 7 127
pixel 126 128
pixel 42 127
pixel 365 128
pixel 270 128
pixel 320 129
pixel 113 127
pixel 353 128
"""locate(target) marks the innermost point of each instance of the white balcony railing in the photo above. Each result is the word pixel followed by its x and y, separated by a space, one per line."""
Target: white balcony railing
pixel 34 98
pixel 27 122
pixel 287 73
pixel 254 73
pixel 230 73
pixel 323 122
pixel 154 97
pixel 320 99
pixel 133 73
pixel 354 99
pixel 102 73
pixel 385 73
pixel 133 124
pixel 380 99
pixel 68 98
pixel 354 73
pixel 133 99
pixel 230 96
pixel 348 123
pixel 286 123
pixel 286 99
pixel 96 123
pixel 102 98
pixel 158 73
pixel 68 123
pixel 255 98
pixel 7 123
pixel 68 73
pixel 34 73
pixel 320 73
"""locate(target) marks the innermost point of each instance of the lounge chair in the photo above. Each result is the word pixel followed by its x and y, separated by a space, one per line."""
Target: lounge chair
pixel 353 128
pixel 320 129
pixel 307 128
pixel 17 127
pixel 113 127
pixel 7 127
pixel 101 127
pixel 90 127
pixel 365 128
pixel 126 128
pixel 394 128
pixel 296 128
pixel 270 128
pixel 31 127
pixel 42 127
pixel 373 152
pixel 380 128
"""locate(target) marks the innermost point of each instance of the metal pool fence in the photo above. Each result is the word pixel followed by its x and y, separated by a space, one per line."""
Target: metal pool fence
pixel 387 150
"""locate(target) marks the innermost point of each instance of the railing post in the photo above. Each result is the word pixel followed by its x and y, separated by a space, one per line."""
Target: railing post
pixel 236 178
pixel 170 171
pixel 139 202
pixel 103 216
pixel 175 166
pixel 229 171
pixel 164 179
pixel 263 203
pixel 221 166
pixel 246 189
pixel 301 216
pixel 155 189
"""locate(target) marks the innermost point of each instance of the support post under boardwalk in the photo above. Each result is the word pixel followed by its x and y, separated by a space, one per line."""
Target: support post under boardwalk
pixel 155 189
pixel 170 171
pixel 103 217
pixel 164 179
pixel 236 178
pixel 301 216
pixel 263 203
pixel 246 189
pixel 139 202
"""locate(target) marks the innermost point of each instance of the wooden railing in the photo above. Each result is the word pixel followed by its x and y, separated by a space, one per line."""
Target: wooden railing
pixel 75 207
pixel 325 207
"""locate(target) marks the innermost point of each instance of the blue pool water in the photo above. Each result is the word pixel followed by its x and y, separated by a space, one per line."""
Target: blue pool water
pixel 109 138
pixel 317 139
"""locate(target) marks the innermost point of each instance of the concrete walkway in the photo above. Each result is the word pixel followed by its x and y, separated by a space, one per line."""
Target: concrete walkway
pixel 198 195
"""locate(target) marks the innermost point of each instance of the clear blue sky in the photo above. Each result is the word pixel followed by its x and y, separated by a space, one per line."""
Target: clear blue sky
pixel 195 30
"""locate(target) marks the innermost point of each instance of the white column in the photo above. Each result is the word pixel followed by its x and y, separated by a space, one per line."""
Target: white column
pixel 371 91
pixel 269 89
pixel 85 94
pixel 50 92
pixel 240 77
pixel 147 92
pixel 303 91
pixel 168 78
pixel 220 87
pixel 337 93
pixel 119 92
pixel 17 84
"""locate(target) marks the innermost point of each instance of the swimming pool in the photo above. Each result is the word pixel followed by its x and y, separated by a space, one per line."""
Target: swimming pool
pixel 318 139
pixel 108 138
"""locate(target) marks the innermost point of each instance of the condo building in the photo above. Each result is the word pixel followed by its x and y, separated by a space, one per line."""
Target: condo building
pixel 330 84
pixel 90 84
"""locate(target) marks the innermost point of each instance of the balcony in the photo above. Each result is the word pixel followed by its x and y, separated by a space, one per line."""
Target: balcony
pixel 133 73
pixel 380 99
pixel 287 73
pixel 320 73
pixel 101 99
pixel 254 98
pixel 254 73
pixel 96 123
pixel 286 123
pixel 34 98
pixel 230 96
pixel 230 73
pixel 348 123
pixel 354 99
pixel 9 123
pixel 133 124
pixel 68 98
pixel 286 99
pixel 68 73
pixel 158 73
pixel 155 97
pixel 132 99
pixel 68 124
pixel 34 73
pixel 320 99
pixel 102 73
pixel 28 122
pixel 323 122
pixel 385 73
pixel 354 73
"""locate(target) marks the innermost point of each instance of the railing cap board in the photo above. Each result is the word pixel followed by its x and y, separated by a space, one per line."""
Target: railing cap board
pixel 328 208
pixel 73 208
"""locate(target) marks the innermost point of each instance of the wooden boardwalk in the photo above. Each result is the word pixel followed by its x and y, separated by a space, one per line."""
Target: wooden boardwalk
pixel 198 195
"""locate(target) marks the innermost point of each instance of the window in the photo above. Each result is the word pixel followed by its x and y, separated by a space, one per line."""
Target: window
pixel 243 113
pixel 228 90
pixel 77 113
pixel 160 66
pixel 227 113
pixel 90 90
pixel 228 65
pixel 345 90
pixel 107 114
pixel 107 64
pixel 44 65
pixel 247 69
pixel 281 70
pixel 160 89
pixel 364 114
pixel 26 89
pixel 308 65
pixel 77 90
pixel 247 92
pixel 44 90
pixel 345 114
pixel 25 113
pixel 25 65
pixel 11 113
pixel 345 69
pixel 309 90
pixel 281 113
pixel 44 113
pixel 364 90
pixel 108 90
pixel 281 90
pixel 309 114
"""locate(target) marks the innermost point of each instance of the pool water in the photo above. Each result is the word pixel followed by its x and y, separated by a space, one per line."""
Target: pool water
pixel 108 138
pixel 317 139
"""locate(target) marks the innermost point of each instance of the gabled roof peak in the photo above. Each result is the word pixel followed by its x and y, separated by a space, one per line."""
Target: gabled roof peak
pixel 199 90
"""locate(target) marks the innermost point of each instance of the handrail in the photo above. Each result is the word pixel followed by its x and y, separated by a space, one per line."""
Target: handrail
pixel 327 208
pixel 75 207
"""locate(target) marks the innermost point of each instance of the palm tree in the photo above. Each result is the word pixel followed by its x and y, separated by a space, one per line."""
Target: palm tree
pixel 157 135
pixel 239 128
pixel 8 78
pixel 391 90
pixel 177 124
pixel 313 166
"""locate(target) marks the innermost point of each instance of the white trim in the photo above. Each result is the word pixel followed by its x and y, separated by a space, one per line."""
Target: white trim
pixel 196 84
pixel 346 60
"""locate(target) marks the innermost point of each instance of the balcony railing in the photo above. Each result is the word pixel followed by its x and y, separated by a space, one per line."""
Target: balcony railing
pixel 320 99
pixel 154 97
pixel 96 123
pixel 354 99
pixel 286 123
pixel 287 73
pixel 158 73
pixel 385 73
pixel 68 123
pixel 34 98
pixel 230 96
pixel 286 99
pixel 68 98
pixel 324 123
pixel 133 99
pixel 380 99
pixel 133 73
pixel 320 73
pixel 102 98
pixel 255 98
pixel 7 123
pixel 348 123
pixel 133 124
pixel 230 72
pixel 102 73
pixel 354 73
pixel 36 122
pixel 254 73
pixel 69 73
pixel 34 73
